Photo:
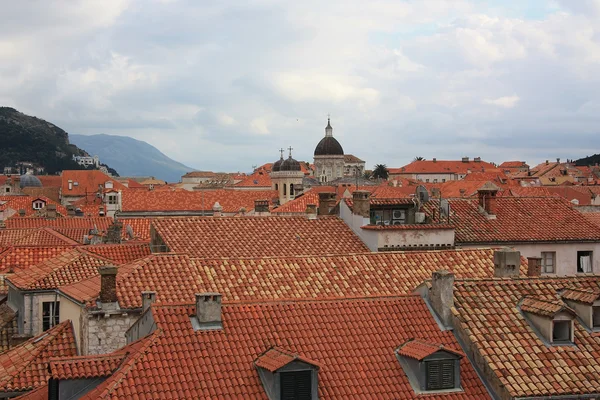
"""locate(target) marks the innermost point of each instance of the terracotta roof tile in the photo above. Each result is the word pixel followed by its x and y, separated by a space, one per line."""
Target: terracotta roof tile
pixel 96 366
pixel 69 267
pixel 419 349
pixel 121 253
pixel 543 307
pixel 518 219
pixel 25 367
pixel 41 393
pixel 259 178
pixel 23 202
pixel 177 277
pixel 87 181
pixel 586 296
pixel 232 201
pixel 441 166
pixel 352 340
pixel 488 314
pixel 276 358
pixel 257 236
pixel 34 237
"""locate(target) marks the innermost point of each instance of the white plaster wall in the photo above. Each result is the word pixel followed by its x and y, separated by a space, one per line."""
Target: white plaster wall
pixel 566 254
pixel 33 322
pixel 415 237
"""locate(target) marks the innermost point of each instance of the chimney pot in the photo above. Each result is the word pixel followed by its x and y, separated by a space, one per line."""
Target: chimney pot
pixel 108 284
pixel 148 298
pixel 507 263
pixel 208 310
pixel 534 266
pixel 361 203
pixel 442 295
pixel 261 206
pixel 434 159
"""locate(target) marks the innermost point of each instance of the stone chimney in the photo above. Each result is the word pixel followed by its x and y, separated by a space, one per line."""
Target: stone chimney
pixel 261 206
pixel 21 212
pixel 487 199
pixel 311 211
pixel 114 232
pixel 326 202
pixel 51 211
pixel 108 284
pixel 148 298
pixel 462 191
pixel 208 310
pixel 534 266
pixel 477 159
pixel 361 203
pixel 558 160
pixel 441 295
pixel 217 210
pixel 434 159
pixel 70 210
pixel 507 262
pixel 465 159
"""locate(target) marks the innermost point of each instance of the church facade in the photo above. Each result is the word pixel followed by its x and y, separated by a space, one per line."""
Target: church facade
pixel 329 157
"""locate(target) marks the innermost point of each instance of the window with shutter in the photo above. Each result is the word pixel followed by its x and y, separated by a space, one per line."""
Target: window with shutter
pixel 440 374
pixel 296 385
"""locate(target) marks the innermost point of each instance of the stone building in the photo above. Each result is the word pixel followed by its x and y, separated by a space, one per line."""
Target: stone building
pixel 329 157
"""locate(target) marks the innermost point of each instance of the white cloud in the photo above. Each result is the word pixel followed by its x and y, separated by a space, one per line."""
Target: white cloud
pixel 259 125
pixel 505 101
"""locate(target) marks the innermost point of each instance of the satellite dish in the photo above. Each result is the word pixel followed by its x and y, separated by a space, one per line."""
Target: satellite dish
pixel 129 231
pixel 422 194
pixel 444 208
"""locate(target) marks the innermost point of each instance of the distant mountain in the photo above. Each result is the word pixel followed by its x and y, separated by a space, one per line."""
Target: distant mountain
pixel 131 157
pixel 24 138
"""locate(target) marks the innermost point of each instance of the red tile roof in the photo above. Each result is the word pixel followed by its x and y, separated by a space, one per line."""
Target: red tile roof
pixel 276 358
pixel 25 367
pixel 176 277
pixel 21 202
pixel 586 296
pixel 543 307
pixel 519 219
pixel 298 205
pixel 353 340
pixel 259 178
pixel 524 366
pixel 257 236
pixel 419 349
pixel 580 193
pixel 34 237
pixel 513 164
pixel 76 227
pixel 87 181
pixel 232 201
pixel 121 253
pixel 86 367
pixel 441 167
pixel 41 393
pixel 67 268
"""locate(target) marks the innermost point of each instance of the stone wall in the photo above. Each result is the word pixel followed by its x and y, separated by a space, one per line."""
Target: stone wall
pixel 104 334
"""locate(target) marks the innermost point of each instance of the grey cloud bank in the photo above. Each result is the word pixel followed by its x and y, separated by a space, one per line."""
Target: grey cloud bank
pixel 222 85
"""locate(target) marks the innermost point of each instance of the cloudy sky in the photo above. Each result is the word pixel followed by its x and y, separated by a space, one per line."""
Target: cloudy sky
pixel 222 85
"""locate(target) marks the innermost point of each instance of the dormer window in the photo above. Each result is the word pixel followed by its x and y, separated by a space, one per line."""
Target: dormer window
pixel 552 320
pixel 39 204
pixel 586 303
pixel 287 376
pixel 430 367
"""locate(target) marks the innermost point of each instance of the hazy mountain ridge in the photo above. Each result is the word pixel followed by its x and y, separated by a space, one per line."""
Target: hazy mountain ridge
pixel 131 157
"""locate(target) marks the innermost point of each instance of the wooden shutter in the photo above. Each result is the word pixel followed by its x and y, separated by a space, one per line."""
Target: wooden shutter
pixel 296 385
pixel 440 374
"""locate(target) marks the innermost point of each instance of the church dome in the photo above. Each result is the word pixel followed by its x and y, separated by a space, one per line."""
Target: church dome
pixel 277 165
pixel 329 146
pixel 290 165
pixel 29 181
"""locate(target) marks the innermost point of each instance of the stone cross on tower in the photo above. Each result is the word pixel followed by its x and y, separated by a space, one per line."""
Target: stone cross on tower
pixel 290 149
pixel 281 151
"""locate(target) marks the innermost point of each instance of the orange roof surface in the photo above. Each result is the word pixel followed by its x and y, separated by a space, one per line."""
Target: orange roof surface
pixel 543 307
pixel 20 202
pixel 594 218
pixel 513 164
pixel 487 311
pixel 34 237
pixel 87 181
pixel 352 340
pixel 298 205
pixel 580 193
pixel 25 367
pixel 69 267
pixel 76 227
pixel 232 201
pixel 419 349
pixel 519 219
pixel 586 296
pixel 257 236
pixel 86 367
pixel 176 277
pixel 259 178
pixel 276 358
pixel 441 167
